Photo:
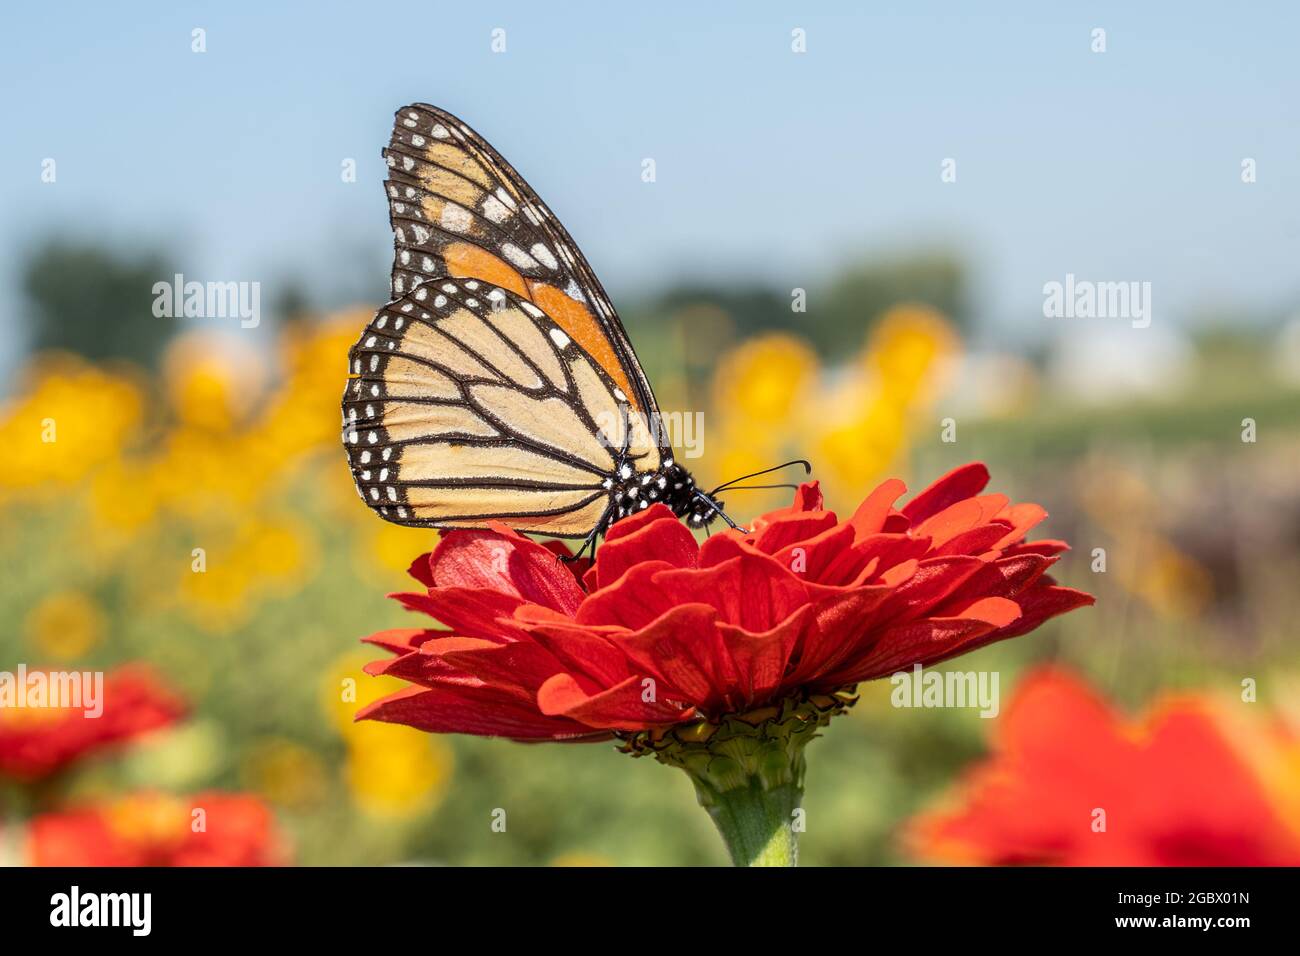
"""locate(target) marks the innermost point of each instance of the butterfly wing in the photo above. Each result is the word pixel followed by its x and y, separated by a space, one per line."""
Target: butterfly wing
pixel 467 403
pixel 459 210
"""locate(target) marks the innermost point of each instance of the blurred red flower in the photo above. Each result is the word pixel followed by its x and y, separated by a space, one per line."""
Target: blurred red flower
pixel 661 630
pixel 207 829
pixel 1173 788
pixel 36 742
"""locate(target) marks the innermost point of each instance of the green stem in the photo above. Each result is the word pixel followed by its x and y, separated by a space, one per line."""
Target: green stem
pixel 748 770
pixel 757 825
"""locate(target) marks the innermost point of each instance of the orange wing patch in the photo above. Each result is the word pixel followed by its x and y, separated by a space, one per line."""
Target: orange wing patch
pixel 467 261
pixel 581 326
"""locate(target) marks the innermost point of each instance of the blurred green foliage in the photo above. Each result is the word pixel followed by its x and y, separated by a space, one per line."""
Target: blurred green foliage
pixel 96 301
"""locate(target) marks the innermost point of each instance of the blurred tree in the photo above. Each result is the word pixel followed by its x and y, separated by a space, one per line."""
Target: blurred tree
pixel 292 301
pixel 95 301
pixel 835 316
pixel 839 316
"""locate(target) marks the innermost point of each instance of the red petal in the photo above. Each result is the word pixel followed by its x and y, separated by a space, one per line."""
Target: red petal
pixel 519 668
pixel 870 516
pixel 952 521
pixel 588 651
pixel 976 541
pixel 421 569
pixel 1023 517
pixel 402 640
pixel 917 642
pixel 750 591
pixel 1041 602
pixel 963 482
pixel 760 658
pixel 685 650
pixel 638 520
pixel 506 563
pixel 469 611
pixel 826 558
pixel 1005 577
pixel 483 712
pixel 839 623
pixel 632 601
pixel 1046 547
pixel 891 550
pixel 718 548
pixel 578 567
pixel 807 497
pixel 933 581
pixel 665 539
pixel 622 707
pixel 426 669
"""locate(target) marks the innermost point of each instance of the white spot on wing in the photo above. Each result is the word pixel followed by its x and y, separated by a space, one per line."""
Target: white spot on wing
pixel 455 218
pixel 516 255
pixel 574 291
pixel 495 209
pixel 544 256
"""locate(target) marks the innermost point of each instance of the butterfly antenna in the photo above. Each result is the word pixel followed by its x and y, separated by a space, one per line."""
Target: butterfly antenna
pixel 807 467
pixel 758 487
pixel 708 499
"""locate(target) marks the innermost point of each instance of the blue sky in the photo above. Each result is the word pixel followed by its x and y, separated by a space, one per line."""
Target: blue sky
pixel 1122 165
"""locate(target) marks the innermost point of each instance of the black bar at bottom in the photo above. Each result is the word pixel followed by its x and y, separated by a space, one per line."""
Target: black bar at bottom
pixel 441 905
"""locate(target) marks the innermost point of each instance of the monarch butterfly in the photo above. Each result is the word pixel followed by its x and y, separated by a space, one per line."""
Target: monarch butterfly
pixel 498 384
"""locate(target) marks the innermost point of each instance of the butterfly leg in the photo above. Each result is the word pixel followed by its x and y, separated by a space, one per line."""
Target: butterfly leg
pixel 590 540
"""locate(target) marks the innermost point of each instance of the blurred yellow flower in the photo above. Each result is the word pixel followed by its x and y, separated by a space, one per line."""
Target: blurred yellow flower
pixel 227 570
pixel 212 380
pixel 283 772
pixel 765 378
pixel 1152 567
pixel 579 858
pixel 396 771
pixel 1171 582
pixel 393 546
pixel 124 496
pixel 390 770
pixel 279 553
pixel 345 688
pixel 150 818
pixel 65 625
pixel 772 400
pixel 906 352
pixel 67 418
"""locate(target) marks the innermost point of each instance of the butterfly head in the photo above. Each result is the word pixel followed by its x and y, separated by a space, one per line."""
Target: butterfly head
pixel 703 511
pixel 688 501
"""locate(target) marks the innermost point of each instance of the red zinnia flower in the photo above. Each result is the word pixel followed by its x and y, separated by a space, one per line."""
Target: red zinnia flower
pixel 207 829
pixel 680 648
pixel 36 742
pixel 1070 782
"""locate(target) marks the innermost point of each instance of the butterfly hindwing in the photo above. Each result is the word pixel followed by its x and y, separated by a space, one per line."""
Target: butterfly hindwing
pixel 468 403
pixel 459 210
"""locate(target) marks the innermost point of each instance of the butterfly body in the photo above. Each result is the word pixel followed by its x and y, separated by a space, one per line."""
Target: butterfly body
pixel 498 385
pixel 671 485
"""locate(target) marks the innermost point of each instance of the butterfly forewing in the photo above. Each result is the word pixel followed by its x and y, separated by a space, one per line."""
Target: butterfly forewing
pixel 458 209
